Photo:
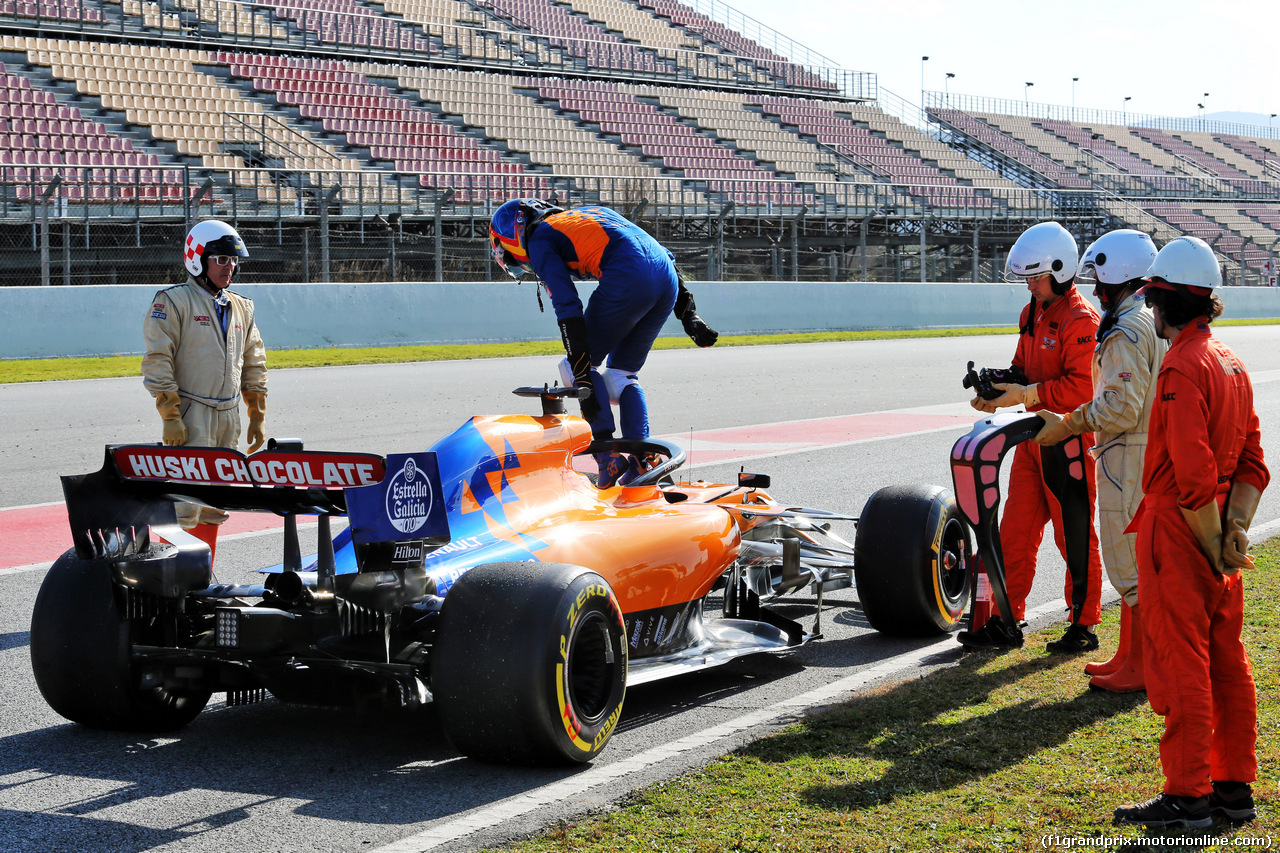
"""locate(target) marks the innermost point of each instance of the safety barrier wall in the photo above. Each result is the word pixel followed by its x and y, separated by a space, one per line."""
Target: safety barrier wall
pixel 44 322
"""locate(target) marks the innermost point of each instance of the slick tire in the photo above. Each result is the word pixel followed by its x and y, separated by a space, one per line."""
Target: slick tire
pixel 911 560
pixel 80 655
pixel 530 664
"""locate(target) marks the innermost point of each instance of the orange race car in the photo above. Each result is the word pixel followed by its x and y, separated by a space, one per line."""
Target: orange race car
pixel 485 575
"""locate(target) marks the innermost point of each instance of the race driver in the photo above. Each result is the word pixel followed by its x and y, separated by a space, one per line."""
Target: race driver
pixel 1054 354
pixel 203 353
pixel 1203 476
pixel 607 343
pixel 1125 363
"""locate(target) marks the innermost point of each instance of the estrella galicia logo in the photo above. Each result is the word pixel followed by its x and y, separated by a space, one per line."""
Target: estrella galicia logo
pixel 407 504
pixel 409 498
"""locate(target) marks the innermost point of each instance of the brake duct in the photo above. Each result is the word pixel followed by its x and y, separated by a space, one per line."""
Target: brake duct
pixel 975 473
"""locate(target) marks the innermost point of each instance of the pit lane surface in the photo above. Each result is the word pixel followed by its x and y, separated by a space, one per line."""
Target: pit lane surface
pixel 288 778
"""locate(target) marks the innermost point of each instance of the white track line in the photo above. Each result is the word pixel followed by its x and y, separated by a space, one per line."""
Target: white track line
pixel 749 455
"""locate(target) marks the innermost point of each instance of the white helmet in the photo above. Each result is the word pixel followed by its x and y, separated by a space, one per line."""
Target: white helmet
pixel 210 237
pixel 1045 247
pixel 1186 260
pixel 1118 257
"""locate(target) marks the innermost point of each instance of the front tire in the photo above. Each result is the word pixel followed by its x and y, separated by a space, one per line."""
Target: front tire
pixel 530 664
pixel 910 561
pixel 80 655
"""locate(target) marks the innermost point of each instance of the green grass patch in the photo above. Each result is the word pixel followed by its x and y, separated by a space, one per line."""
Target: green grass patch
pixel 46 369
pixel 996 752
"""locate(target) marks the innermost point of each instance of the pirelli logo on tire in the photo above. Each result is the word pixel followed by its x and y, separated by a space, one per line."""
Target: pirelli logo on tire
pixel 592 642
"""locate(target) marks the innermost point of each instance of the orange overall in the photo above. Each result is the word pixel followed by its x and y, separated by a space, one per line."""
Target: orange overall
pixel 1055 350
pixel 1203 438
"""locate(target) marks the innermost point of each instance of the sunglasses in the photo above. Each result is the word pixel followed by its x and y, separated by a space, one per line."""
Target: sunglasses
pixel 224 260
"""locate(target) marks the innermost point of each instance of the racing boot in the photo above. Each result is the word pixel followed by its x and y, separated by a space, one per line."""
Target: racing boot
pixel 612 466
pixel 639 464
pixel 1131 676
pixel 993 635
pixel 1122 647
pixel 208 534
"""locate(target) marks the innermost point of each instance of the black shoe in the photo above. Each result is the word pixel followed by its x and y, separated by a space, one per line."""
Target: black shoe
pixel 993 635
pixel 1167 810
pixel 1076 640
pixel 1233 801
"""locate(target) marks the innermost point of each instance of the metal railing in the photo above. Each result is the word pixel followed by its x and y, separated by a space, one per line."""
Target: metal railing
pixel 1086 115
pixel 137 192
pixel 761 34
pixel 268 138
pixel 843 154
pixel 1103 173
pixel 303 29
pixel 341 226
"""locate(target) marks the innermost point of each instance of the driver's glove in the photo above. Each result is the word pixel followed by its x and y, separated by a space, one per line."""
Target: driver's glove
pixel 573 332
pixel 587 401
pixel 694 326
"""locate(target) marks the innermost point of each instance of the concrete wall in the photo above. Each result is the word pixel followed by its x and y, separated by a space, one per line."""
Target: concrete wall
pixel 40 322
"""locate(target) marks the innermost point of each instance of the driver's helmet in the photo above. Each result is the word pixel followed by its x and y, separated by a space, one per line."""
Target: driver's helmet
pixel 1117 257
pixel 509 228
pixel 209 238
pixel 1045 247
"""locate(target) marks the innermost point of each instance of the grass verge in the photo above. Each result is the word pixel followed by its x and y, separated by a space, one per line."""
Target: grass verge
pixel 106 367
pixel 997 752
pixel 46 369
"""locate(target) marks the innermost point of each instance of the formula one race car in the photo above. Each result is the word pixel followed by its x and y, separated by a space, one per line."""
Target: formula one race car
pixel 486 576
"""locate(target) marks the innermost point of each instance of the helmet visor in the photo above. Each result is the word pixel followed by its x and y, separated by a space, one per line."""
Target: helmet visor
pixel 503 258
pixel 1014 278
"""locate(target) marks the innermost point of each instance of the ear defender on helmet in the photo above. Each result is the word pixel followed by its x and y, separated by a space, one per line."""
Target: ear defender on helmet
pixel 1060 287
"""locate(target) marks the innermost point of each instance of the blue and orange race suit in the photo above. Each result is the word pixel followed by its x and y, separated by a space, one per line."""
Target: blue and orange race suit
pixel 636 290
pixel 636 275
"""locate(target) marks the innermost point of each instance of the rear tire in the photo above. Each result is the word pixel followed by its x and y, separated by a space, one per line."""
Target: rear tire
pixel 911 560
pixel 80 655
pixel 530 664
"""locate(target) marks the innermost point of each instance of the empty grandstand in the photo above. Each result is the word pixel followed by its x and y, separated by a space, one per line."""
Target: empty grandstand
pixel 370 140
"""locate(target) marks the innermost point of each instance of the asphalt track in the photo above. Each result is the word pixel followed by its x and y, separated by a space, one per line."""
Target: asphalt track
pixel 830 423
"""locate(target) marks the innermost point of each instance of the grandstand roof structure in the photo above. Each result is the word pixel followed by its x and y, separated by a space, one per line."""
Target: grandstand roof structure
pixel 350 115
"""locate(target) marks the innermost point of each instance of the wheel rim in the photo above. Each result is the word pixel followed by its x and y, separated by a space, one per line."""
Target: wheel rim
pixel 953 557
pixel 592 668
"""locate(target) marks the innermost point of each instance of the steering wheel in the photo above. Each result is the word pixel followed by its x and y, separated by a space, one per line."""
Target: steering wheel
pixel 552 396
pixel 674 456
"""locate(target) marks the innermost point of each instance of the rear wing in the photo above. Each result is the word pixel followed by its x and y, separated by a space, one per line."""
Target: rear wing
pixel 138 484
